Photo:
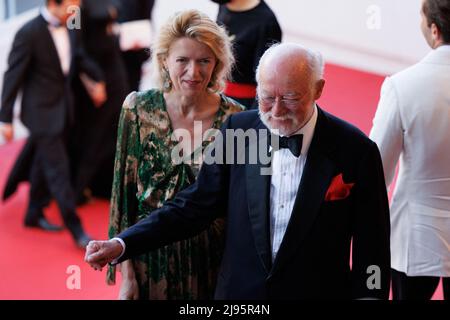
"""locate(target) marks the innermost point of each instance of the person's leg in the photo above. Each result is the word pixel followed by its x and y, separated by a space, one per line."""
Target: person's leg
pixel 38 194
pixel 55 167
pixel 38 200
pixel 412 288
pixel 99 151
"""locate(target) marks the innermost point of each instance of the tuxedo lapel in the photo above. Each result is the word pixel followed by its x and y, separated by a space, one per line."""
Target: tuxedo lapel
pixel 317 175
pixel 258 197
pixel 50 44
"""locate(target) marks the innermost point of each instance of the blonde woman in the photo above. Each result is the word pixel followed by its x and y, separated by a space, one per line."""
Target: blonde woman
pixel 192 58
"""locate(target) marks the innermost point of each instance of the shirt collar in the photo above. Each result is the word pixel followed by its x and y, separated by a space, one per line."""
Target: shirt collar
pixel 49 17
pixel 444 47
pixel 308 131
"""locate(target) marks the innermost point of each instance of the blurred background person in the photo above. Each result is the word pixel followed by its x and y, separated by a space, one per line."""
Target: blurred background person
pixel 44 58
pixel 96 126
pixel 192 57
pixel 254 28
pixel 412 123
pixel 134 58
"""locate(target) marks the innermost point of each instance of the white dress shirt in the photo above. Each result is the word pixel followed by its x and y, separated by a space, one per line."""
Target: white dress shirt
pixel 124 247
pixel 287 172
pixel 60 36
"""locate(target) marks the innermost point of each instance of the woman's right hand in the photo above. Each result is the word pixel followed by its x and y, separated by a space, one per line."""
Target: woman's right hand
pixel 129 289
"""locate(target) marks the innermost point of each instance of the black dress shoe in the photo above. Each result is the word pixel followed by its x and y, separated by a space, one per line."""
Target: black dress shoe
pixel 43 224
pixel 79 236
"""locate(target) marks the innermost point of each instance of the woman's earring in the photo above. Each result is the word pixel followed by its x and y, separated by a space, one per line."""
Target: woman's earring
pixel 167 84
pixel 212 83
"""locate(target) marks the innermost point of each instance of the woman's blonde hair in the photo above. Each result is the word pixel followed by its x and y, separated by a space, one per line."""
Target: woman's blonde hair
pixel 195 25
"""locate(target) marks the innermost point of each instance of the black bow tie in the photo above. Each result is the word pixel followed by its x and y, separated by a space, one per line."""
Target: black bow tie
pixel 293 143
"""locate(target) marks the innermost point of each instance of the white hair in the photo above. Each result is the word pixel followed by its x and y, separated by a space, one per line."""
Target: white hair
pixel 314 58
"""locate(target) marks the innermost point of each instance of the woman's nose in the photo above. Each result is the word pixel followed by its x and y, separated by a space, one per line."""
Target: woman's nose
pixel 193 69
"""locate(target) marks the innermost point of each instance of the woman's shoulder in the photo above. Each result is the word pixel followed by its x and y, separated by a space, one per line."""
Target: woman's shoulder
pixel 144 100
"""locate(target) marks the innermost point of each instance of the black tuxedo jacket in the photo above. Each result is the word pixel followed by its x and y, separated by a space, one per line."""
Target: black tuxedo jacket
pixel 34 66
pixel 314 258
pixel 131 10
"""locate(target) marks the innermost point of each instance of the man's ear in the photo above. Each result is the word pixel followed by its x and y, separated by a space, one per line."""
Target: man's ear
pixel 436 34
pixel 319 88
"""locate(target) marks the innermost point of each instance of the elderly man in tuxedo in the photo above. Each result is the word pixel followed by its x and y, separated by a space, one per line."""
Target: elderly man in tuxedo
pixel 44 58
pixel 412 123
pixel 288 233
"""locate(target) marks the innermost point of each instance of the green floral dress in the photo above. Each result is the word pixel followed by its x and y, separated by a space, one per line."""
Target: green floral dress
pixel 144 178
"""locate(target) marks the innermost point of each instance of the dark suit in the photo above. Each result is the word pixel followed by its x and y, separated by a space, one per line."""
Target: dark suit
pixel 132 10
pixel 47 111
pixel 313 259
pixel 96 128
pixel 33 66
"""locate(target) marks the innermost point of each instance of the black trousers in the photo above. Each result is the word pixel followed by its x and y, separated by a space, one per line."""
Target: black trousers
pixel 50 178
pixel 416 288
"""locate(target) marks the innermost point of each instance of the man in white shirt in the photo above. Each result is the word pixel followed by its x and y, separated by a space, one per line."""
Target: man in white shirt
pixel 412 123
pixel 44 58
pixel 289 233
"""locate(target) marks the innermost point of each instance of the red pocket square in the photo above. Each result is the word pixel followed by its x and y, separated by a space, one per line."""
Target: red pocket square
pixel 338 189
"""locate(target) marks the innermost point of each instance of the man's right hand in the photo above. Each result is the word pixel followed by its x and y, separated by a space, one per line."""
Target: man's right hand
pixel 98 94
pixel 99 253
pixel 7 131
pixel 96 90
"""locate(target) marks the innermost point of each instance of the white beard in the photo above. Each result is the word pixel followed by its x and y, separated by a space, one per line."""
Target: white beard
pixel 283 130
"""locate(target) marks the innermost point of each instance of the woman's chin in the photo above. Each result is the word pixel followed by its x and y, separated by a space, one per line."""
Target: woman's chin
pixel 193 88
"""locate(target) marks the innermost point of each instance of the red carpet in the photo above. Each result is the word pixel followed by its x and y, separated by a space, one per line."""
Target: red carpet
pixel 33 264
pixel 351 95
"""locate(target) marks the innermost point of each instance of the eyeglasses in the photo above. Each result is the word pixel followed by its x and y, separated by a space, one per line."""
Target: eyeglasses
pixel 286 101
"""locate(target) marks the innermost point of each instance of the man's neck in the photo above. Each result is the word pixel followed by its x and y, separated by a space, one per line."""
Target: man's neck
pixel 439 44
pixel 242 5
